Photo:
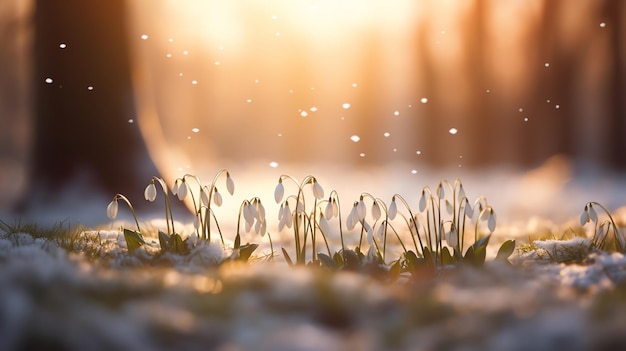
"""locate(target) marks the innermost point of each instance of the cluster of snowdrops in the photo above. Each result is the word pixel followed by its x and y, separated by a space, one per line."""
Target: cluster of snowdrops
pixel 430 236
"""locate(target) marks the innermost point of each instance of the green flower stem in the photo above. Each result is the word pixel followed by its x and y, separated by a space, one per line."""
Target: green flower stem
pixel 132 210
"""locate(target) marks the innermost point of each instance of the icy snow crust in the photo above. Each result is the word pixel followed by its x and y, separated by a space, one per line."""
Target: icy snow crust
pixel 103 298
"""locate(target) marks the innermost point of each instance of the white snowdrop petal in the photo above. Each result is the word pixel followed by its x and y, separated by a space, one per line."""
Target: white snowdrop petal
pixel 217 198
pixel 361 210
pixel 230 184
pixel 112 209
pixel 393 209
pixel 150 192
pixel 318 191
pixel 279 192
pixel 376 213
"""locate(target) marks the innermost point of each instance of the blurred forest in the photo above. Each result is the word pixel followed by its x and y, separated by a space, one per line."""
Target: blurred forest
pixel 521 80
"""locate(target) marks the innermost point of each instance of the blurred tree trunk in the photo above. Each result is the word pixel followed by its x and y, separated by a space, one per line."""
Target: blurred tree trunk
pixel 82 118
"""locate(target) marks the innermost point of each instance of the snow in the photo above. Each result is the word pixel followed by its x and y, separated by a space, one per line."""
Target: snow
pixel 131 301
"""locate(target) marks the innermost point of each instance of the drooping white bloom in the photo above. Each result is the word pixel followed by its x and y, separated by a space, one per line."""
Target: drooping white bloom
pixel 380 231
pixel 175 186
pixel 452 237
pixel 217 198
pixel 393 209
pixel 182 190
pixel 150 192
pixel 440 191
pixel 260 209
pixel 204 196
pixel 469 210
pixel 461 191
pixel 335 208
pixel 361 210
pixel 318 191
pixel 353 218
pixel 112 208
pixel 491 221
pixel 588 215
pixel 422 202
pixel 248 213
pixel 370 232
pixel 324 227
pixel 376 213
pixel 230 184
pixel 279 191
pixel 328 210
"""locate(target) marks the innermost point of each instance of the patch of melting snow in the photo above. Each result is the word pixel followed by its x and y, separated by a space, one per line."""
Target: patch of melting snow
pixel 132 301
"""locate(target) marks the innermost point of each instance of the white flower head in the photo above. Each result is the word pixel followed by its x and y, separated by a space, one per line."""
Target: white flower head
pixel 361 210
pixel 370 232
pixel 469 210
pixel 376 213
pixel 393 209
pixel 230 184
pixel 248 213
pixel 452 236
pixel 588 215
pixel 440 191
pixel 328 210
pixel 324 227
pixel 112 208
pixel 182 190
pixel 175 186
pixel 491 222
pixel 353 218
pixel 204 196
pixel 423 202
pixel 150 192
pixel 217 198
pixel 279 191
pixel 260 209
pixel 318 191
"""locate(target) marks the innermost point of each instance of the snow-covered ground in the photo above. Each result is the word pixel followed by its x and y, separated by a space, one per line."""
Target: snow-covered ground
pixel 100 297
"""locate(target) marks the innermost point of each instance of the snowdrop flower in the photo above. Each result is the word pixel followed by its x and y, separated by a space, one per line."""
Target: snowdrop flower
pixel 324 227
pixel 217 198
pixel 230 184
pixel 461 191
pixel 112 208
pixel 393 209
pixel 490 216
pixel 180 188
pixel 260 209
pixel 469 210
pixel 440 191
pixel 452 236
pixel 380 231
pixel 318 192
pixel 353 217
pixel 204 196
pixel 361 210
pixel 328 210
pixel 370 233
pixel 150 192
pixel 279 191
pixel 284 216
pixel 422 202
pixel 248 213
pixel 376 213
pixel 588 215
